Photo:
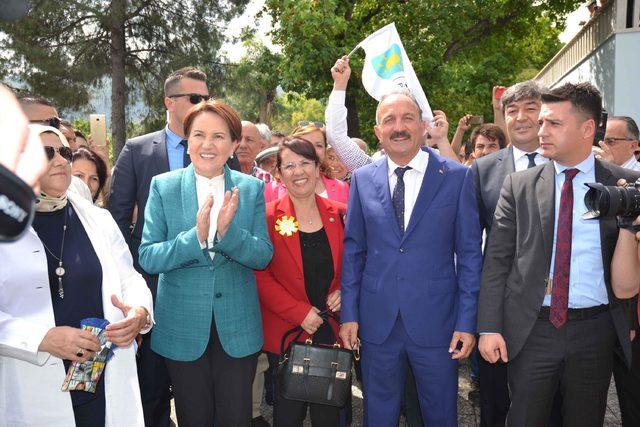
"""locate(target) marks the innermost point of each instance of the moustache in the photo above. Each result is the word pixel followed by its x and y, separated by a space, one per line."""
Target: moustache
pixel 403 134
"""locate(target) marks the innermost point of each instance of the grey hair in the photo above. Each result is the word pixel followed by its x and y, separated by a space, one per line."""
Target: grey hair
pixel 398 91
pixel 632 126
pixel 265 132
pixel 529 89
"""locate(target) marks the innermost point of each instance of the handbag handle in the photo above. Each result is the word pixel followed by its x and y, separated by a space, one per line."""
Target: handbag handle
pixel 323 314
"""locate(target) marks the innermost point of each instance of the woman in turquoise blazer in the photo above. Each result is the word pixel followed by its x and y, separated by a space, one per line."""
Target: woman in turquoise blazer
pixel 204 233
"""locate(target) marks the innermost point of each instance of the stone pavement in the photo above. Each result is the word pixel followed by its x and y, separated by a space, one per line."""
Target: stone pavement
pixel 468 411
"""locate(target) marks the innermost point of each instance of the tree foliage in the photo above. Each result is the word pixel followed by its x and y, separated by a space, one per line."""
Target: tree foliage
pixel 62 49
pixel 459 49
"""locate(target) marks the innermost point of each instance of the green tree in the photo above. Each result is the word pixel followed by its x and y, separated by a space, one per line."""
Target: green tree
pixel 291 108
pixel 62 49
pixel 458 49
pixel 252 83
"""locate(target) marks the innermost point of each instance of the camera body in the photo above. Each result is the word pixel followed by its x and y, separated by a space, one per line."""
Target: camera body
pixel 623 203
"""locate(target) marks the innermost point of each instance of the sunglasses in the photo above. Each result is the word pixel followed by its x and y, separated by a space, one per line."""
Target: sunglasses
pixel 194 98
pixel 54 122
pixel 307 123
pixel 65 152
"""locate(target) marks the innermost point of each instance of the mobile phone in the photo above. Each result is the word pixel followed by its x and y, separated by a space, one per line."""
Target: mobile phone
pixel 476 120
pixel 602 129
pixel 98 129
pixel 499 92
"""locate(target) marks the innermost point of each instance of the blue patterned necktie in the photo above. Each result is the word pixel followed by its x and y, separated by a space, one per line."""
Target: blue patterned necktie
pixel 398 197
pixel 532 159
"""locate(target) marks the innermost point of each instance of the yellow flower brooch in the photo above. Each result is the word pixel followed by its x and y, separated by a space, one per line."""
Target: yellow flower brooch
pixel 286 226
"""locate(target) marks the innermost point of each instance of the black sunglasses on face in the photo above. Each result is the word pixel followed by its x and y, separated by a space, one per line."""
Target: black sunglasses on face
pixel 319 125
pixel 54 122
pixel 65 152
pixel 194 98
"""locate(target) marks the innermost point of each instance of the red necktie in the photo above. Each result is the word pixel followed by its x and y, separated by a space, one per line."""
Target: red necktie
pixel 562 262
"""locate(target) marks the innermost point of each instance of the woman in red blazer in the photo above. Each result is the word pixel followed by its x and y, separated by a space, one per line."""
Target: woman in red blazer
pixel 327 186
pixel 303 277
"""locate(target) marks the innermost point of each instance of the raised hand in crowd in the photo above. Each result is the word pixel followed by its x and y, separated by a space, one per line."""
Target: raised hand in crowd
pixel 603 152
pixel 312 322
pixel 70 343
pixel 341 73
pixel 227 211
pixel 496 102
pixel 458 137
pixel 438 131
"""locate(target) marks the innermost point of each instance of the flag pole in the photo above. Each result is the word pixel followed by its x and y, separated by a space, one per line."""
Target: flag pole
pixel 353 50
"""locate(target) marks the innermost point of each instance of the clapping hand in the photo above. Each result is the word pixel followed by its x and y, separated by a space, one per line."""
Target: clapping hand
pixel 227 211
pixel 124 331
pixel 203 219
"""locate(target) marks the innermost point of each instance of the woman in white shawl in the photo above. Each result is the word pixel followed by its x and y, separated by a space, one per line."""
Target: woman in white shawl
pixel 71 265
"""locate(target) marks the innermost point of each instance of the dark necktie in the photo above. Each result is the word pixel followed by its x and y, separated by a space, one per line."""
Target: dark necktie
pixel 398 197
pixel 562 262
pixel 186 159
pixel 532 161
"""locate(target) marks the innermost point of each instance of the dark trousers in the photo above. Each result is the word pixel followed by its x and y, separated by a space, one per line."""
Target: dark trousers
pixel 291 413
pixel 494 393
pixel 214 387
pixel 628 385
pixel 577 359
pixel 154 385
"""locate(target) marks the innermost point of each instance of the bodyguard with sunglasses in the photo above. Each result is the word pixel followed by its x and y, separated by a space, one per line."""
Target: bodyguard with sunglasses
pixel 141 159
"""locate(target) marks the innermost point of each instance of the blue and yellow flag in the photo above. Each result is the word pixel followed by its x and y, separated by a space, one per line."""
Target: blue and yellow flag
pixel 387 67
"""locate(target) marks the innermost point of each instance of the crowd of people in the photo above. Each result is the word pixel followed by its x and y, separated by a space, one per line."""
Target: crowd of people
pixel 210 239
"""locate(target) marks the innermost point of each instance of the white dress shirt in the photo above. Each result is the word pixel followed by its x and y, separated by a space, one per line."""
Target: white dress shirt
pixel 521 161
pixel 632 164
pixel 205 187
pixel 412 181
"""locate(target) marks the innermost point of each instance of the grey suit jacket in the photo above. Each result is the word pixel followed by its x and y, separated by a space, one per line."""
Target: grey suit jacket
pixel 488 174
pixel 518 257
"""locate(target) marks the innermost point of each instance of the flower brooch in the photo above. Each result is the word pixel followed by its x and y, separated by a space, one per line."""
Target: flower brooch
pixel 287 226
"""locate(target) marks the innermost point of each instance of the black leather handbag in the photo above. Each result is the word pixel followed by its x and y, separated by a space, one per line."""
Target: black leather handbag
pixel 314 373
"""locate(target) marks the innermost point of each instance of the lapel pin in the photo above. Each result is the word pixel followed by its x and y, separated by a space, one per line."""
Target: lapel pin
pixel 332 219
pixel 440 171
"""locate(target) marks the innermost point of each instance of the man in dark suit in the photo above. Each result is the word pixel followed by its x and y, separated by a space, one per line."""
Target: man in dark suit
pixel 141 159
pixel 521 107
pixel 546 303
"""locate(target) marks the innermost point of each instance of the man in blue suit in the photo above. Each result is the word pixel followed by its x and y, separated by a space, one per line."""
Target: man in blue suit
pixel 411 269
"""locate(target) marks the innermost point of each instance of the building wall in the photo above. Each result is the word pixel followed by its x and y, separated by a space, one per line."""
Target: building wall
pixel 614 68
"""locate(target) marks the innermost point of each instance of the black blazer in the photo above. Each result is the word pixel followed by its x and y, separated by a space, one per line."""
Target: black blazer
pixel 518 256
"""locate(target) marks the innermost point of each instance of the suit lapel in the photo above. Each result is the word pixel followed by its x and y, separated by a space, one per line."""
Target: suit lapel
pixel 292 243
pixel 545 196
pixel 189 196
pixel 160 152
pixel 331 221
pixel 381 184
pixel 506 162
pixel 433 178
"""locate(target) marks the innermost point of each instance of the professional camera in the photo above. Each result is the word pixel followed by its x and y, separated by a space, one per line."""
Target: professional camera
pixel 604 201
